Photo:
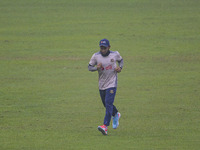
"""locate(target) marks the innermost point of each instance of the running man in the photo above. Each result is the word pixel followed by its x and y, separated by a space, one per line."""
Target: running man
pixel 104 62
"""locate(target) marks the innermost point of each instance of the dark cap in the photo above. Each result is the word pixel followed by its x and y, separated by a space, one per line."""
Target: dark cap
pixel 104 42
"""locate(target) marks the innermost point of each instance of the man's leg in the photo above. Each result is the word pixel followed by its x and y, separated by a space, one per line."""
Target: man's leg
pixel 103 96
pixel 114 111
pixel 109 100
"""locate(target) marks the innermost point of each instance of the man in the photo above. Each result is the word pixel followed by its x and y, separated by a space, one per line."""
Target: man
pixel 104 62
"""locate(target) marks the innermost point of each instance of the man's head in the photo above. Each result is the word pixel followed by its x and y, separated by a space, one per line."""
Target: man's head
pixel 104 46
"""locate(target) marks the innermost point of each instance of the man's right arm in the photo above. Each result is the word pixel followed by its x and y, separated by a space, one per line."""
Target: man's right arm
pixel 92 68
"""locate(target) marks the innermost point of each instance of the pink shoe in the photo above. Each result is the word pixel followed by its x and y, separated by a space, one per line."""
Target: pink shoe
pixel 103 129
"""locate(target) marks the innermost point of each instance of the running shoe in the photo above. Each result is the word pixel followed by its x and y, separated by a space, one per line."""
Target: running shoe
pixel 116 120
pixel 103 129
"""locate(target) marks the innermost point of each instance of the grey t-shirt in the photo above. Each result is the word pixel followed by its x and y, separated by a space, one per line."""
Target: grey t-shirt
pixel 107 75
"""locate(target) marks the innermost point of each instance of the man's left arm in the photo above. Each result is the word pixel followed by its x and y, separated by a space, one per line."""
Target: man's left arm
pixel 121 63
pixel 119 68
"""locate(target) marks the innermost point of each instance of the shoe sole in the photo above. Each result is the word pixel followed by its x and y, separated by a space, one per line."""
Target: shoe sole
pixel 102 131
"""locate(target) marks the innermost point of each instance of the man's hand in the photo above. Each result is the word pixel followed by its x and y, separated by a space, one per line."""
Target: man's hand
pixel 99 66
pixel 118 69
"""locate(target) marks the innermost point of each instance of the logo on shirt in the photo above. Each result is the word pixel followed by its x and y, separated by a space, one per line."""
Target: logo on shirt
pixel 109 67
pixel 112 60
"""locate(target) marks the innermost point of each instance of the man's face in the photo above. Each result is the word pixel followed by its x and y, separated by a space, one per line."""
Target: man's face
pixel 104 49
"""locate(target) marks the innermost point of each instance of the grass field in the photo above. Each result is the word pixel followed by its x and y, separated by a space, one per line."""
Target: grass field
pixel 50 101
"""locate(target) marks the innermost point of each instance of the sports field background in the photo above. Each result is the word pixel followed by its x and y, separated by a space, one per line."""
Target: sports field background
pixel 50 101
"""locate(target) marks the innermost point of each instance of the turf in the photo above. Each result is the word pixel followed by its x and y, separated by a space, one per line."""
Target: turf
pixel 49 100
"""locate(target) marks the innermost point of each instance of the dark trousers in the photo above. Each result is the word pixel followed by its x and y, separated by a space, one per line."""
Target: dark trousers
pixel 107 97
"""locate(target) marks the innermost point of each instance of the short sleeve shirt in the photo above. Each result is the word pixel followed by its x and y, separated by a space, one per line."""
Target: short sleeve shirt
pixel 107 75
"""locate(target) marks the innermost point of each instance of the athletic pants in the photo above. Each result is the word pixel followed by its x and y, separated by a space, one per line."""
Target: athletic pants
pixel 107 97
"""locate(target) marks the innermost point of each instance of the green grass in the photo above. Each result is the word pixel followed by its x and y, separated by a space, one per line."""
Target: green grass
pixel 49 100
